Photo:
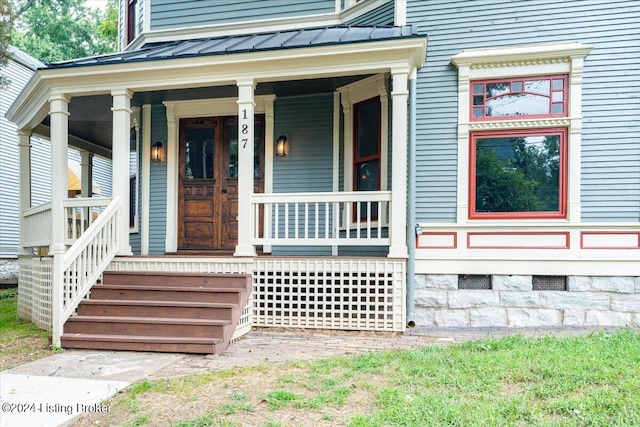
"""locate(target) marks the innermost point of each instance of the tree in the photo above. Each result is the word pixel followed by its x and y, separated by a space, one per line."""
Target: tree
pixel 57 30
pixel 6 22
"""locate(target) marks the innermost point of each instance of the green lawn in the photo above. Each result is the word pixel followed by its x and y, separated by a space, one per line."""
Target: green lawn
pixel 20 341
pixel 591 380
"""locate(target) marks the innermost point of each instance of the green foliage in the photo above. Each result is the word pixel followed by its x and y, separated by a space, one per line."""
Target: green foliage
pixel 57 30
pixel 6 23
pixel 513 175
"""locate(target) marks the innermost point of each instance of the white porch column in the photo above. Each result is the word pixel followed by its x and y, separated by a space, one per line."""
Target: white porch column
pixel 59 118
pixel 398 220
pixel 120 161
pixel 246 108
pixel 24 153
pixel 86 178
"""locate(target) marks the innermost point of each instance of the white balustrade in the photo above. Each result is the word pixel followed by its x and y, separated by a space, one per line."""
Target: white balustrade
pixel 80 214
pixel 37 226
pixel 321 219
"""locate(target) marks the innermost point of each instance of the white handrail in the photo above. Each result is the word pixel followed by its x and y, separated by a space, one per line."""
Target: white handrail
pixel 85 261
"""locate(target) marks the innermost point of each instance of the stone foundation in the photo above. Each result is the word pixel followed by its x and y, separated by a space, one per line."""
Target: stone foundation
pixel 9 271
pixel 511 302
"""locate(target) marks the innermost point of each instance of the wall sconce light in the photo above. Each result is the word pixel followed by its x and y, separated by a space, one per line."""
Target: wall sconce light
pixel 157 152
pixel 282 146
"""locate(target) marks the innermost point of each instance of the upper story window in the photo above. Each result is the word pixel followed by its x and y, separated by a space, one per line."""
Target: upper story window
pixel 366 156
pixel 530 97
pixel 134 19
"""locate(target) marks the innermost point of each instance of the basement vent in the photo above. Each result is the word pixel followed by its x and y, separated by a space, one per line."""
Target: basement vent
pixel 549 283
pixel 474 281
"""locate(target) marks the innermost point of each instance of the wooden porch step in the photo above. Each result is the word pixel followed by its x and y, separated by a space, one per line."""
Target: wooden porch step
pixel 192 280
pixel 160 311
pixel 173 309
pixel 167 293
pixel 147 326
pixel 144 343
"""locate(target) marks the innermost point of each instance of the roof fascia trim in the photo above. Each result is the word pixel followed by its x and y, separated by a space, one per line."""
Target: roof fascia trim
pixel 284 63
pixel 30 106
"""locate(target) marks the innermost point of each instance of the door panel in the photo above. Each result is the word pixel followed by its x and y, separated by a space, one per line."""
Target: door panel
pixel 208 187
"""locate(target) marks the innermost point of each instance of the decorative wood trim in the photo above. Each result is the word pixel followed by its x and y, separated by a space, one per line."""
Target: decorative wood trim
pixel 521 235
pixel 452 234
pixel 635 235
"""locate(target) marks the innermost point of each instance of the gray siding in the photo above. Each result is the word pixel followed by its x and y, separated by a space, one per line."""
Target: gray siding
pixel 158 185
pixel 610 142
pixel 40 165
pixel 383 15
pixel 171 14
pixel 308 123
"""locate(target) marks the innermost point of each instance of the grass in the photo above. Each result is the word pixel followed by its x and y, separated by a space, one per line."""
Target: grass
pixel 588 380
pixel 22 341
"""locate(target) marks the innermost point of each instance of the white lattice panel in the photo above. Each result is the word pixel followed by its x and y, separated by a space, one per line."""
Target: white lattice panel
pixel 347 294
pixel 34 292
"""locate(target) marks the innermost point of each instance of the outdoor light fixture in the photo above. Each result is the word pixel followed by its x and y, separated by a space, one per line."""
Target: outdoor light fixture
pixel 157 152
pixel 282 146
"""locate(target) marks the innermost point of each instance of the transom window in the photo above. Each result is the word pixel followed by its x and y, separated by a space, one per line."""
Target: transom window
pixel 518 174
pixel 530 97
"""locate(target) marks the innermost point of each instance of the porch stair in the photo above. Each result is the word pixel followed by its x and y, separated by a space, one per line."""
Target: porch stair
pixel 159 311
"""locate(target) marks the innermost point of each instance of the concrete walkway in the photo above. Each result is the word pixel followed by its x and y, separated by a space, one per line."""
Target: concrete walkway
pixel 55 390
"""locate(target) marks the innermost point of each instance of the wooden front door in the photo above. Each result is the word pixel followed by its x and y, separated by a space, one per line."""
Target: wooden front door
pixel 208 182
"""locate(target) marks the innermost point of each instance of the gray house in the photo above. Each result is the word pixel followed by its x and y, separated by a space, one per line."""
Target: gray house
pixel 19 69
pixel 363 165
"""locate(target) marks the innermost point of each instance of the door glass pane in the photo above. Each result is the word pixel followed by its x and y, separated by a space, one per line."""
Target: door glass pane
pixel 367 178
pixel 198 156
pixel 368 128
pixel 233 151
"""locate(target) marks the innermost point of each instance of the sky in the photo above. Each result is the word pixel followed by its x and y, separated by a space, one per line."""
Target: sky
pixel 96 4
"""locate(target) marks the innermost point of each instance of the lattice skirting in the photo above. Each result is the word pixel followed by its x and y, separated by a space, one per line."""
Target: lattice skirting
pixel 335 293
pixel 34 295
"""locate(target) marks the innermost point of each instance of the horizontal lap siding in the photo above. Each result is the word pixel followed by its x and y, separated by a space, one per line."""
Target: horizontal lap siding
pixel 171 14
pixel 611 107
pixel 383 15
pixel 158 185
pixel 307 121
pixel 9 166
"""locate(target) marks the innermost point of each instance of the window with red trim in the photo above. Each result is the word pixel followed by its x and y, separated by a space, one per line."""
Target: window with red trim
pixel 132 20
pixel 532 97
pixel 366 150
pixel 518 174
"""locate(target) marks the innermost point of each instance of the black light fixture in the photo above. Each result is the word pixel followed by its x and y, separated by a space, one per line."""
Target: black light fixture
pixel 282 146
pixel 157 152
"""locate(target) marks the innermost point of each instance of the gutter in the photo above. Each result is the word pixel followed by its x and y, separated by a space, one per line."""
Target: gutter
pixel 412 226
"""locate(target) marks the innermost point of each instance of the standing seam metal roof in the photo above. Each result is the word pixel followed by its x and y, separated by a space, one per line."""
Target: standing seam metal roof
pixel 248 43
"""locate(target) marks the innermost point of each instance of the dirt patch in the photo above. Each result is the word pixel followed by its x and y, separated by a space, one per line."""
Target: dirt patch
pixel 279 395
pixel 18 351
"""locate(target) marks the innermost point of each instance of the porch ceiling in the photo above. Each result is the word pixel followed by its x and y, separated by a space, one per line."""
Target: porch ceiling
pixel 90 117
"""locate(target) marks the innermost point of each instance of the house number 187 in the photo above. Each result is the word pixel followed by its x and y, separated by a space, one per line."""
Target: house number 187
pixel 244 129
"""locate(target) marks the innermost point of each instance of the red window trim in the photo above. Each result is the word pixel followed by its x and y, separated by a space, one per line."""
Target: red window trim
pixel 565 100
pixel 562 175
pixel 357 160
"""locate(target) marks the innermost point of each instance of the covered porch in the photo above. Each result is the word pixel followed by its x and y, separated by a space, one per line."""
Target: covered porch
pixel 132 101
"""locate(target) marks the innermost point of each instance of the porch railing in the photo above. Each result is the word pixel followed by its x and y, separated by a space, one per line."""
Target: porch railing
pixel 80 214
pixel 37 226
pixel 319 219
pixel 84 262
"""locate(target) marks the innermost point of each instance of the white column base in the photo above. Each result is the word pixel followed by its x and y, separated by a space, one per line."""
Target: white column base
pixel 245 250
pixel 398 252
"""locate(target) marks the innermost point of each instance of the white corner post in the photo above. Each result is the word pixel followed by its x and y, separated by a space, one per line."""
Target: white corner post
pixel 146 175
pixel 120 159
pixel 246 109
pixel 269 130
pixel 59 118
pixel 24 153
pixel 86 178
pixel 398 221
